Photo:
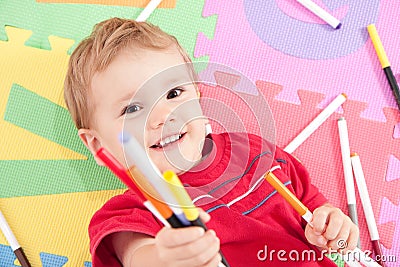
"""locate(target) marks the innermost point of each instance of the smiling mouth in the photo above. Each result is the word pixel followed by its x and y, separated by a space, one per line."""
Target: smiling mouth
pixel 168 140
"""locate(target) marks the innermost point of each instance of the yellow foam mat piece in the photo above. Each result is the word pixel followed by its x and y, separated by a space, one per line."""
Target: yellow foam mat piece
pixel 42 72
pixel 54 224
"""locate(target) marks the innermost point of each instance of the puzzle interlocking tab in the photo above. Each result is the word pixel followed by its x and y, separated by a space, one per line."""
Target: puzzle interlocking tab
pixel 390 213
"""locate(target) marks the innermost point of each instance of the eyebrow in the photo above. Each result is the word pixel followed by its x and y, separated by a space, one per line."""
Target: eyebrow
pixel 170 83
pixel 126 97
pixel 179 81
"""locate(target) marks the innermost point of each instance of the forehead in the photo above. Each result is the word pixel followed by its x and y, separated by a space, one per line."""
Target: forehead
pixel 132 67
pixel 139 64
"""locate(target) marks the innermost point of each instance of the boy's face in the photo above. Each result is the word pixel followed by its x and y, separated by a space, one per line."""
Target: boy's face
pixel 148 93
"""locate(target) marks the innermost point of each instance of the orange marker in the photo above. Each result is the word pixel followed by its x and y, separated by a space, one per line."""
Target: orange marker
pixel 161 210
pixel 307 216
pixel 289 196
pixel 160 206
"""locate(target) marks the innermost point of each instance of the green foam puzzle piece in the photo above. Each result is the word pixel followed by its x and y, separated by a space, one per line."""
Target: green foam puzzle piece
pixel 42 177
pixel 75 21
pixel 52 122
pixel 42 117
pixel 185 29
pixel 336 259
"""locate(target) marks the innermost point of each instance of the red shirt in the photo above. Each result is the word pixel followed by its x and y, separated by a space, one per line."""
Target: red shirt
pixel 255 224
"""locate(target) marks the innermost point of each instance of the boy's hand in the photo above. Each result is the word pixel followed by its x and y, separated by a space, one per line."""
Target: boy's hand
pixel 332 229
pixel 189 247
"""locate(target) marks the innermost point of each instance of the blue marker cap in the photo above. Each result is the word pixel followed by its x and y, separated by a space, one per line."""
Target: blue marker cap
pixel 124 137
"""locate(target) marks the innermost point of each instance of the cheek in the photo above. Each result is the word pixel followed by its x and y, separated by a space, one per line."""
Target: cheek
pixel 116 150
pixel 199 128
pixel 110 140
pixel 195 142
pixel 136 127
pixel 161 161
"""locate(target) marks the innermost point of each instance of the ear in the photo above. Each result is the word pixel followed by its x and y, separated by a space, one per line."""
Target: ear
pixel 90 140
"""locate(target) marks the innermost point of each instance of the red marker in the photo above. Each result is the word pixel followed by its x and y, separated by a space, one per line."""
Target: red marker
pixel 116 167
pixel 163 209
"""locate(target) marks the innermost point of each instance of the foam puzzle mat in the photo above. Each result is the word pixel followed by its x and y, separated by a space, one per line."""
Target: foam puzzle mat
pixel 50 184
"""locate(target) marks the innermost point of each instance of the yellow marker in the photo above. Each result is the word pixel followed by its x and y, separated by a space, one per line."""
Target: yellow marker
pixel 289 196
pixel 376 41
pixel 380 51
pixel 189 209
pixel 180 193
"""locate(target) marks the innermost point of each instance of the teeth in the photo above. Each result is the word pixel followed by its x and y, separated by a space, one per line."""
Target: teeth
pixel 169 140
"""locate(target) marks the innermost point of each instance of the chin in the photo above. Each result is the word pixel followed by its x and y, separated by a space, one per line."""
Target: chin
pixel 175 160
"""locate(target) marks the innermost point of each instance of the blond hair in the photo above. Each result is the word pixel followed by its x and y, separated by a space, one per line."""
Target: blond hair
pixel 96 52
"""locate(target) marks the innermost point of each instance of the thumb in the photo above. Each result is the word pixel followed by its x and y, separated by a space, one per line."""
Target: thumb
pixel 204 216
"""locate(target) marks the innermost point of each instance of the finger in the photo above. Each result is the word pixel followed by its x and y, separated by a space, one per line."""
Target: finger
pixel 315 238
pixel 208 255
pixel 198 247
pixel 204 216
pixel 336 220
pixel 320 219
pixel 340 242
pixel 214 261
pixel 197 253
pixel 352 240
pixel 175 237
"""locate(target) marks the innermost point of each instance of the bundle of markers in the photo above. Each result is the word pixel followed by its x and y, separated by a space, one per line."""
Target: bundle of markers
pixel 163 194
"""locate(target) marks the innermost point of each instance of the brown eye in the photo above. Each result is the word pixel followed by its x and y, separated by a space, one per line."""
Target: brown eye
pixel 174 93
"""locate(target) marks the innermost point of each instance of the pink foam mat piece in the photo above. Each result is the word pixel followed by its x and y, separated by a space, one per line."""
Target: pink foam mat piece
pixel 322 148
pixel 390 213
pixel 297 88
pixel 321 154
pixel 393 169
pixel 358 74
pixel 396 131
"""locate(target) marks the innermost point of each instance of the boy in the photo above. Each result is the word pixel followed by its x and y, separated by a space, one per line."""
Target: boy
pixel 254 228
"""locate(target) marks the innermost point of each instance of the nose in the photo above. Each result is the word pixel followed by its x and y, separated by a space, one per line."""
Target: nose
pixel 161 114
